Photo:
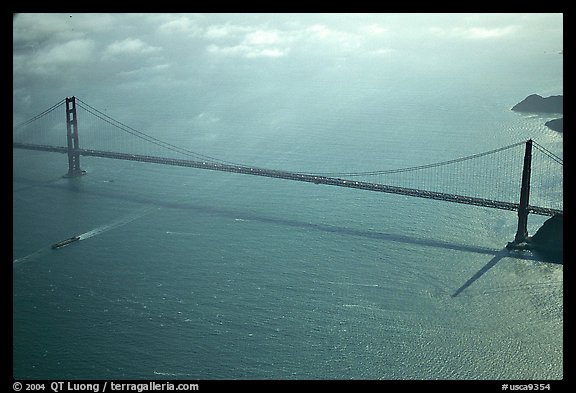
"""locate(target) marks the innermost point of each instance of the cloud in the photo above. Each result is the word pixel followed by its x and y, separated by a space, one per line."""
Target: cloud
pixel 50 60
pixel 480 33
pixel 343 40
pixel 262 37
pixel 266 52
pixel 252 41
pixel 224 31
pixel 473 33
pixel 38 28
pixel 182 24
pixel 75 51
pixel 247 51
pixel 320 31
pixel 259 41
pixel 129 46
pixel 380 52
pixel 145 71
pixel 96 51
pixel 375 29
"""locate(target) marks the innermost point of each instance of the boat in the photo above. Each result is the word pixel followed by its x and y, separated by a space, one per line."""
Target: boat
pixel 65 242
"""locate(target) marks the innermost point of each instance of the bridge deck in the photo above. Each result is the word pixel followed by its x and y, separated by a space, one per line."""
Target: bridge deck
pixel 303 177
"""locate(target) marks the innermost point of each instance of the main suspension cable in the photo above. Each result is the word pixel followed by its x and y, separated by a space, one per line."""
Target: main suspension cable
pixel 95 112
pixel 415 168
pixel 38 116
pixel 548 153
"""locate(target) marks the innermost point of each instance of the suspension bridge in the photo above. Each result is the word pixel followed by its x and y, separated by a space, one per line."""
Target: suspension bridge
pixel 509 188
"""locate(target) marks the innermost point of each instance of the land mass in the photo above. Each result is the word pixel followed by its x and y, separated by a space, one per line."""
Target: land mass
pixel 538 104
pixel 549 239
pixel 556 124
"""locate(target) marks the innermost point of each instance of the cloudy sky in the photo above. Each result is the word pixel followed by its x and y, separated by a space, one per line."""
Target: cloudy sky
pixel 99 55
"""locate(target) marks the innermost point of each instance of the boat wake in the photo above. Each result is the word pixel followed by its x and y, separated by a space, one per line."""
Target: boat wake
pixel 31 257
pixel 356 284
pixel 115 224
pixel 167 374
pixel 182 233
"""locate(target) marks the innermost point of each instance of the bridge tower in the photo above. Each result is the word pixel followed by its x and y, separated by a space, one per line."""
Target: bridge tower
pixel 523 209
pixel 72 137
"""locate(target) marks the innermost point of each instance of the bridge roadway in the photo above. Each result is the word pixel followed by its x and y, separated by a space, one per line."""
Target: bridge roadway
pixel 303 177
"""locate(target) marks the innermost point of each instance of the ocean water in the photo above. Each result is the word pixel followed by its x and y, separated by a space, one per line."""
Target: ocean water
pixel 189 274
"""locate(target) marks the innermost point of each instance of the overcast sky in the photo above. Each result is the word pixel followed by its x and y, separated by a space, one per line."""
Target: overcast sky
pixel 56 55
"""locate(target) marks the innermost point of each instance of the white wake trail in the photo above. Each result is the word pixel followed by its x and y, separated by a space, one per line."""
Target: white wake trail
pixel 32 256
pixel 115 224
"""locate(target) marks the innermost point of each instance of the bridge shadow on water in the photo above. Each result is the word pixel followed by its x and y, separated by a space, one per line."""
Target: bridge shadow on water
pixel 339 230
pixel 499 255
pixel 511 254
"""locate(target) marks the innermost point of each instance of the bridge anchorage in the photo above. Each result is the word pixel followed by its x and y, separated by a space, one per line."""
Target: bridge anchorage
pixel 72 139
pixel 40 141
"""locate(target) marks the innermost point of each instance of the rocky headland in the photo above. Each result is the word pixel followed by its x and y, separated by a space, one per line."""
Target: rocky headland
pixel 549 239
pixel 535 103
pixel 556 124
pixel 538 104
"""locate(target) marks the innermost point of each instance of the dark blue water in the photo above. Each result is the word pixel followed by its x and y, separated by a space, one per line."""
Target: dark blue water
pixel 182 273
